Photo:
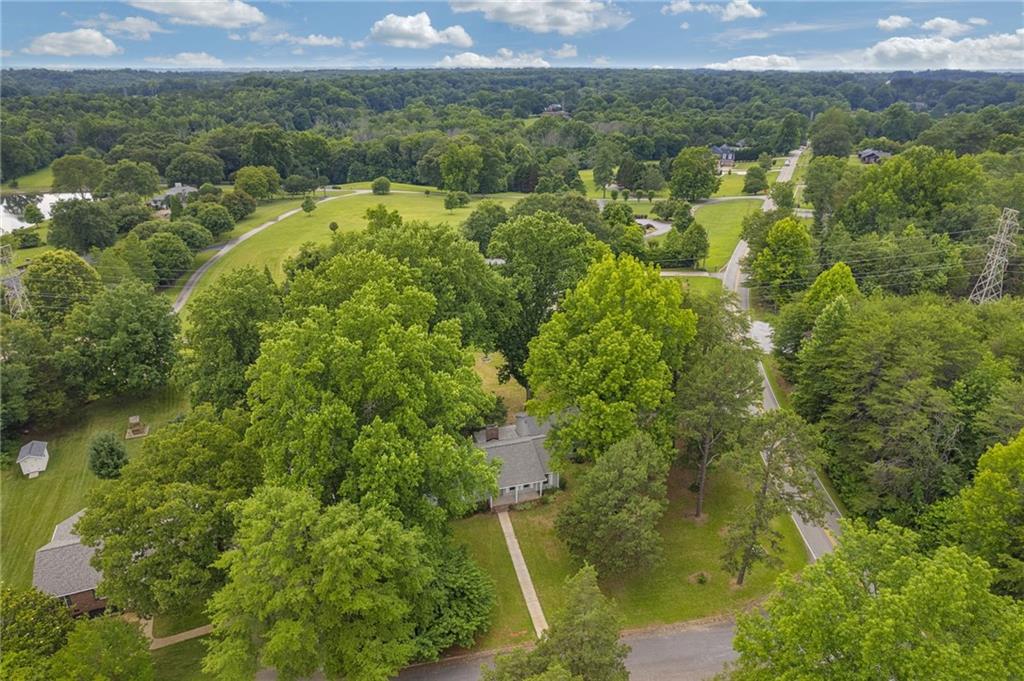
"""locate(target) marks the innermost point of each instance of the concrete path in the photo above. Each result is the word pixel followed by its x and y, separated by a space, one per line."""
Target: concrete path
pixel 193 280
pixel 158 643
pixel 540 624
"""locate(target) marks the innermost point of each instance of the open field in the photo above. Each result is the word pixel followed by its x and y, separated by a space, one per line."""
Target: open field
pixel 723 221
pixel 395 186
pixel 22 256
pixel 273 246
pixel 670 591
pixel 594 192
pixel 38 181
pixel 701 284
pixel 29 509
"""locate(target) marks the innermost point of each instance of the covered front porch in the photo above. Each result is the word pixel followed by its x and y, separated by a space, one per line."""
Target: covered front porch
pixel 509 496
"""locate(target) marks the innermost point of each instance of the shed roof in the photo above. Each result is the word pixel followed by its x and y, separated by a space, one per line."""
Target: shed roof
pixel 63 566
pixel 33 450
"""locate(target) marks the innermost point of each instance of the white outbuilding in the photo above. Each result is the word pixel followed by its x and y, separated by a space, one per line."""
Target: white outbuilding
pixel 33 458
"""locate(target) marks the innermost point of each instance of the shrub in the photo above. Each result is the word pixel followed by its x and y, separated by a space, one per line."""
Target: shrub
pixel 107 454
pixel 215 218
pixel 381 185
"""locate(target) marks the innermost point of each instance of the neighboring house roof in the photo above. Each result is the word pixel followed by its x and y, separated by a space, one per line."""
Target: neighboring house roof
pixel 873 152
pixel 178 189
pixel 520 448
pixel 32 450
pixel 63 567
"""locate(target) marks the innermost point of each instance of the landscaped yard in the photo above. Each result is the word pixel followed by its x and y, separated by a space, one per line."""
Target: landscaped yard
pixel 671 591
pixel 29 509
pixel 39 181
pixel 701 284
pixel 181 662
pixel 511 392
pixel 510 621
pixel 23 255
pixel 273 246
pixel 724 221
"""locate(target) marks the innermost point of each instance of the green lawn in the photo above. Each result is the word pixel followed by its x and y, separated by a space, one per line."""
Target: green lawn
pixel 510 621
pixel 510 392
pixel 669 592
pixel 29 509
pixel 181 662
pixel 22 256
pixel 273 246
pixel 189 616
pixel 723 221
pixel 701 284
pixel 395 186
pixel 38 181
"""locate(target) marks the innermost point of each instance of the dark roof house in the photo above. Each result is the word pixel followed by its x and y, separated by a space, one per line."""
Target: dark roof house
pixel 63 569
pixel 872 155
pixel 182 191
pixel 525 468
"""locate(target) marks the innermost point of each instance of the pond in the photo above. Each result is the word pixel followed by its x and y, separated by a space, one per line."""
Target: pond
pixel 12 206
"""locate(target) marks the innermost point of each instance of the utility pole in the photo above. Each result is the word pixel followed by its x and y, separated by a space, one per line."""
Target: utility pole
pixel 990 284
pixel 14 290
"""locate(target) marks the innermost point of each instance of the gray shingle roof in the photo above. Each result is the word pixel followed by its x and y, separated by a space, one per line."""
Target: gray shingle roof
pixel 32 450
pixel 520 448
pixel 63 567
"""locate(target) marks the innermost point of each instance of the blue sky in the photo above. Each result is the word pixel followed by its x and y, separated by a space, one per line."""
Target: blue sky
pixel 747 34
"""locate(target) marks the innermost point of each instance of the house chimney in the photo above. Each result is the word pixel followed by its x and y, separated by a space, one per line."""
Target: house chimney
pixel 522 428
pixel 491 433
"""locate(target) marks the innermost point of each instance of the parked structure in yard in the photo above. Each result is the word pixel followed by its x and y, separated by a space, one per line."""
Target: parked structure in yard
pixel 63 569
pixel 33 458
pixel 555 110
pixel 525 468
pixel 871 156
pixel 136 428
pixel 182 191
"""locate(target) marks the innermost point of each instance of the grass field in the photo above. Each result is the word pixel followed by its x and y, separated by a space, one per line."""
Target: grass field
pixel 23 255
pixel 669 592
pixel 181 662
pixel 723 221
pixel 395 186
pixel 188 616
pixel 511 392
pixel 510 621
pixel 40 180
pixel 594 192
pixel 273 246
pixel 29 509
pixel 701 284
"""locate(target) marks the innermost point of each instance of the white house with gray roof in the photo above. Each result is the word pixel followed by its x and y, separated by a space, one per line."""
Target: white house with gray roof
pixel 63 569
pixel 525 469
pixel 33 458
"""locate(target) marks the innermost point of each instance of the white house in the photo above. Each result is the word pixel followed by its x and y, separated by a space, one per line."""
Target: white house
pixel 33 458
pixel 525 471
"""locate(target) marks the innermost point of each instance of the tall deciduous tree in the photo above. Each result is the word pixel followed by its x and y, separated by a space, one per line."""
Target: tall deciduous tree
pixel 482 222
pixel 611 522
pixel 694 174
pixel 33 626
pixel 170 256
pixel 755 181
pixel 365 401
pixel 160 527
pixel 80 224
pixel 121 341
pixel 313 588
pixel 582 641
pixel 55 282
pixel 878 608
pixel 786 262
pixel 223 336
pixel 607 362
pixel 130 177
pixel 195 168
pixel 545 255
pixel 77 173
pixel 104 648
pixel 778 460
pixel 832 133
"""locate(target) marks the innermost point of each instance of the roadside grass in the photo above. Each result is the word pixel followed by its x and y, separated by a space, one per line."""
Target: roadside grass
pixel 38 181
pixel 669 592
pixel 29 509
pixel 701 284
pixel 510 621
pixel 273 246
pixel 181 662
pixel 513 394
pixel 723 222
pixel 782 389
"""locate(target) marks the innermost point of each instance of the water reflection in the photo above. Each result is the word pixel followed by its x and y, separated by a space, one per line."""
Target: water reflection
pixel 12 207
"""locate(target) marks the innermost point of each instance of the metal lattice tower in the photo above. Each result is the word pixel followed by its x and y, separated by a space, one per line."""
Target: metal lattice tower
pixel 13 290
pixel 990 284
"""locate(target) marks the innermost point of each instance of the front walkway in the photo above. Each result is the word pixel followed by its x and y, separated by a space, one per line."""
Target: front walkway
pixel 540 624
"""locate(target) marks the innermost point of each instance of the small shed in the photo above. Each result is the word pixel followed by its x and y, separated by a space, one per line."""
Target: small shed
pixel 33 458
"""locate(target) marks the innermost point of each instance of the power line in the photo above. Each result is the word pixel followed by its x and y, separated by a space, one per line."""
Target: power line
pixel 990 284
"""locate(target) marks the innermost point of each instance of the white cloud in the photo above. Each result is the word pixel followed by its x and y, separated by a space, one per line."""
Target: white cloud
pixel 80 42
pixel 994 52
pixel 311 40
pixel 417 32
pixel 217 13
pixel 188 60
pixel 685 25
pixel 977 21
pixel 549 16
pixel 733 35
pixel 5 53
pixel 503 59
pixel 730 11
pixel 134 28
pixel 947 28
pixel 601 61
pixel 754 62
pixel 894 22
pixel 566 51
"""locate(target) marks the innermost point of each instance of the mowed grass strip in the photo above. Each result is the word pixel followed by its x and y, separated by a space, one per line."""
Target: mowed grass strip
pixel 671 591
pixel 724 221
pixel 29 509
pixel 37 181
pixel 181 662
pixel 701 284
pixel 510 621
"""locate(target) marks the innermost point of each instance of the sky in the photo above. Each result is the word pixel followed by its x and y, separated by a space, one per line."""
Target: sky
pixel 722 34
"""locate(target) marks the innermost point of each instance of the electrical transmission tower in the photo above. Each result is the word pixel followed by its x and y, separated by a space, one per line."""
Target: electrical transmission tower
pixel 14 291
pixel 990 283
